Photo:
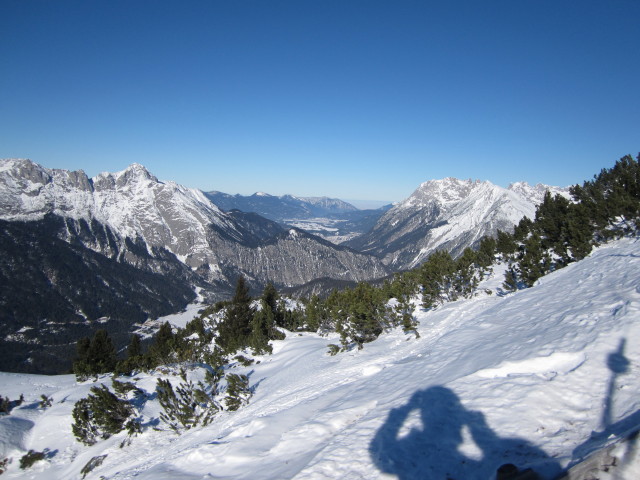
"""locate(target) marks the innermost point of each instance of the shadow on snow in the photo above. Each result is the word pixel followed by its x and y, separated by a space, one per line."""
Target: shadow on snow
pixel 434 437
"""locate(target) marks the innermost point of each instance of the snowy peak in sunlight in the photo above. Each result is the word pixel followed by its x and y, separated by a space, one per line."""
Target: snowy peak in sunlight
pixel 536 192
pixel 451 190
pixel 132 202
pixel 448 214
pixel 440 191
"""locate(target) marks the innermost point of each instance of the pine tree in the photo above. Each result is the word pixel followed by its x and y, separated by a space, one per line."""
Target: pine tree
pixel 235 329
pixel 486 252
pixel 135 347
pixel 187 405
pixel 95 356
pixel 535 261
pixel 505 244
pixel 102 353
pixel 510 280
pixel 579 231
pixel 262 324
pixel 238 391
pixel 465 280
pixel 101 415
pixel 163 346
pixel 361 313
pixel 404 311
pixel 436 277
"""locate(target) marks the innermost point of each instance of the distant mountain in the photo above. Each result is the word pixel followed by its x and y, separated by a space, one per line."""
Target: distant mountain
pixel 448 214
pixel 72 242
pixel 281 208
pixel 330 218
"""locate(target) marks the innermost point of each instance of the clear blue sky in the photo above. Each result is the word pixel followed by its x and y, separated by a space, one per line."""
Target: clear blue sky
pixel 350 99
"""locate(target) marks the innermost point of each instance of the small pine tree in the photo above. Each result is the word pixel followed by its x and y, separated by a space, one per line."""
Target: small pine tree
pixel 238 391
pixel 45 401
pixel 436 276
pixel 135 346
pixel 262 324
pixel 31 457
pixel 92 464
pixel 3 465
pixel 4 405
pixel 187 405
pixel 161 351
pixel 317 314
pixel 510 280
pixel 505 244
pixel 404 310
pixel 100 415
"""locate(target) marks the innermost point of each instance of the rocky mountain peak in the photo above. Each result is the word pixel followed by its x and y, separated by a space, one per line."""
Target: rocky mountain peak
pixel 441 192
pixel 536 192
pixel 133 174
pixel 449 214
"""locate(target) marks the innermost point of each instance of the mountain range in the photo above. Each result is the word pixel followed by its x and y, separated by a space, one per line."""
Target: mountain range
pixel 280 208
pixel 121 247
pixel 78 253
pixel 329 218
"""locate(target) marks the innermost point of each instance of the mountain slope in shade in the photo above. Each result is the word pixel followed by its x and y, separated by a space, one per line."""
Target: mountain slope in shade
pixel 449 214
pixel 540 378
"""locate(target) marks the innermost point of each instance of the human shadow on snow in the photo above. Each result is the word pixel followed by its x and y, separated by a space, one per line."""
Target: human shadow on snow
pixel 452 443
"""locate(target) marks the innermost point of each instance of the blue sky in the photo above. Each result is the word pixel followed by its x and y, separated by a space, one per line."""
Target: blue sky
pixel 350 99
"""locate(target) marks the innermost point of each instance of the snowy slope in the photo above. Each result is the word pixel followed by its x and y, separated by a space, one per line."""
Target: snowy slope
pixel 448 214
pixel 540 378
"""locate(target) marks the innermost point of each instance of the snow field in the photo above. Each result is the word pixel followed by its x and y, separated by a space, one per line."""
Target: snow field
pixel 542 377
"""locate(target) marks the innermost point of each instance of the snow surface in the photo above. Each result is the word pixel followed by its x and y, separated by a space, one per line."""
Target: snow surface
pixel 540 378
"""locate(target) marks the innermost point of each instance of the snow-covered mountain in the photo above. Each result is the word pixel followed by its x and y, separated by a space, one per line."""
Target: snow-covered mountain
pixel 132 203
pixel 541 378
pixel 449 214
pixel 140 230
pixel 135 204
